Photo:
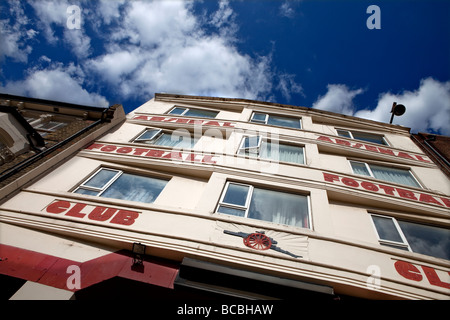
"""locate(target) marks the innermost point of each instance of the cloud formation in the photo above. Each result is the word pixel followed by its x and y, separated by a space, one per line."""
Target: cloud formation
pixel 427 108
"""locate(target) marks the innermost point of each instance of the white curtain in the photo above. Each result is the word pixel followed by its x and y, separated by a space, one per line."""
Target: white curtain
pixel 281 152
pixel 279 207
pixel 394 175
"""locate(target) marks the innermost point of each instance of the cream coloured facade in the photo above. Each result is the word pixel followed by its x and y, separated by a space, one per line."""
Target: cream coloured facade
pixel 317 202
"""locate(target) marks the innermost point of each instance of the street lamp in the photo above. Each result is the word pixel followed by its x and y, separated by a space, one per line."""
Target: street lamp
pixel 397 110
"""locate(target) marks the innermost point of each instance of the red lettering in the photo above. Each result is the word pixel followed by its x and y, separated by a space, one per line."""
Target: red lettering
pixel 408 270
pixel 387 189
pixel 357 145
pixel 180 120
pixel 369 186
pixel 157 118
pixel 433 278
pixel 140 118
pixel 108 148
pixel 124 150
pixel 140 151
pixel 330 177
pixel 429 199
pixel 200 122
pixel 155 153
pixel 325 139
pixel 350 182
pixel 227 124
pixel 212 123
pixel 125 217
pixel 208 159
pixel 406 194
pixel 343 142
pixel 387 151
pixel 421 159
pixel 95 146
pixel 405 155
pixel 101 213
pixel 58 207
pixel 371 148
pixel 76 211
pixel 173 155
pixel 446 201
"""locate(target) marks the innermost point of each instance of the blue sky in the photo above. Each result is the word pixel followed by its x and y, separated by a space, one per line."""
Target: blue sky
pixel 318 54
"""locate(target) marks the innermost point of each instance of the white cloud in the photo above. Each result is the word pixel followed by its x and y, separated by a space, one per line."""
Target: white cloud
pixel 339 99
pixel 14 34
pixel 55 83
pixel 428 107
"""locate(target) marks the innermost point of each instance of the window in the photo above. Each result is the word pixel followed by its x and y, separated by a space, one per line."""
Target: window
pixel 395 175
pixel 190 112
pixel 430 240
pixel 368 137
pixel 117 184
pixel 258 147
pixel 49 125
pixel 167 139
pixel 280 121
pixel 279 207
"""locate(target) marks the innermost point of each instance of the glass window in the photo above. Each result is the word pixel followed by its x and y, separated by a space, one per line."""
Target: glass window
pixel 167 139
pixel 425 239
pixel 256 146
pixel 50 125
pixel 119 185
pixel 263 204
pixel 364 136
pixel 190 112
pixel 396 175
pixel 279 121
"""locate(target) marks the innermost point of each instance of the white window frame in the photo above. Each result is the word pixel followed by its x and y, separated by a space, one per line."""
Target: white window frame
pixel 367 165
pixel 266 119
pixel 398 245
pixel 58 124
pixel 350 133
pixel 105 187
pixel 246 207
pixel 189 108
pixel 158 134
pixel 266 140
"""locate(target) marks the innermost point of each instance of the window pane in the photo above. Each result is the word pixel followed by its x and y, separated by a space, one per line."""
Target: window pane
pixel 148 134
pixel 251 142
pixel 369 137
pixel 101 178
pixel 282 152
pixel 359 168
pixel 175 140
pixel 236 194
pixel 343 133
pixel 86 191
pixel 177 110
pixel 394 175
pixel 279 207
pixel 284 121
pixel 201 113
pixel 135 188
pixel 386 229
pixel 429 240
pixel 259 117
pixel 232 211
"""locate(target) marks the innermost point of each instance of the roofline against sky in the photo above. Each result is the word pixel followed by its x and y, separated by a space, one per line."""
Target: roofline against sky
pixel 311 111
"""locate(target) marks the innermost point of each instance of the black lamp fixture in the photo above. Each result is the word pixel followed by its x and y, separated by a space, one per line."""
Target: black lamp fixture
pixel 397 110
pixel 138 253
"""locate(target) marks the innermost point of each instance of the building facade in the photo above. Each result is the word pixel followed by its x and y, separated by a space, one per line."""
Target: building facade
pixel 213 197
